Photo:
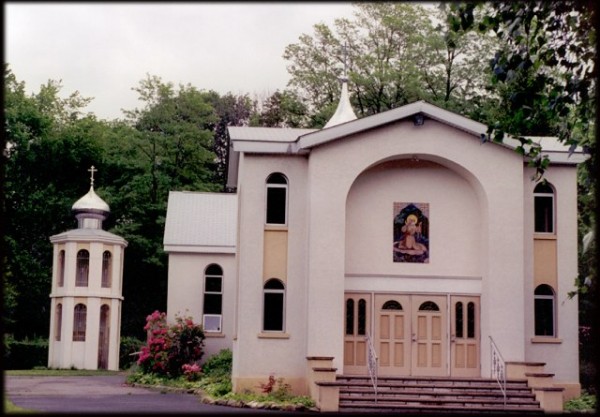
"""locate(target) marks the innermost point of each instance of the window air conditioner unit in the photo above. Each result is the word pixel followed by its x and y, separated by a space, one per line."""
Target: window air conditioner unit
pixel 211 323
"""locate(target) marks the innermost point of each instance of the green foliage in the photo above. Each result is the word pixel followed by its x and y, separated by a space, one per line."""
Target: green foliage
pixel 25 354
pixel 217 374
pixel 586 402
pixel 129 350
pixel 219 364
pixel 171 348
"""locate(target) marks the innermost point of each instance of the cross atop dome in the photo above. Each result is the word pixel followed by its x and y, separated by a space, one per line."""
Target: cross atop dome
pixel 92 170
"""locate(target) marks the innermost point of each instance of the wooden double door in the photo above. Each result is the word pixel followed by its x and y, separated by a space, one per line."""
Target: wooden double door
pixel 420 335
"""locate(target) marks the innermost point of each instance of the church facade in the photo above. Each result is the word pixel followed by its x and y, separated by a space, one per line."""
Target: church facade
pixel 402 229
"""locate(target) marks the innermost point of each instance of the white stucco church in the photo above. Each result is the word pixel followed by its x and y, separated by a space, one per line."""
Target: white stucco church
pixel 402 226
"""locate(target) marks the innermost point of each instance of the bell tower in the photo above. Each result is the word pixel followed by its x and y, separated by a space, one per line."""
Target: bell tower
pixel 87 287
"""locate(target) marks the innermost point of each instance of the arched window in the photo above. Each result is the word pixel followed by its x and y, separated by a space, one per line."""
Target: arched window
pixel 277 187
pixel 391 305
pixel 273 305
pixel 544 310
pixel 61 268
pixel 79 323
pixel 429 306
pixel 213 298
pixel 58 322
pixel 106 269
pixel 543 201
pixel 83 268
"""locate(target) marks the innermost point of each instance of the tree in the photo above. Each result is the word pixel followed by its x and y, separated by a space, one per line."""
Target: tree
pixel 169 149
pixel 453 66
pixel 395 53
pixel 545 65
pixel 283 109
pixel 45 150
pixel 230 110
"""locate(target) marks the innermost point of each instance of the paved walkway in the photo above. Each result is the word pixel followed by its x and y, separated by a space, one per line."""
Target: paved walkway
pixel 105 394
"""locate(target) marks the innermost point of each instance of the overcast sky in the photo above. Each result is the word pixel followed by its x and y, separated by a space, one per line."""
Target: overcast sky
pixel 103 50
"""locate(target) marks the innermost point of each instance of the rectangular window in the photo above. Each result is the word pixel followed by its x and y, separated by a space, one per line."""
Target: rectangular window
pixel 544 316
pixel 544 222
pixel 213 300
pixel 273 314
pixel 276 204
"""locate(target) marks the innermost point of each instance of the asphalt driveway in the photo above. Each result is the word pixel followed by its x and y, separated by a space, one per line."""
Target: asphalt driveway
pixel 105 394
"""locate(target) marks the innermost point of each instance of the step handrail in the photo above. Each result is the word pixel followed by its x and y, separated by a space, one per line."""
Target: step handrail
pixel 372 363
pixel 498 369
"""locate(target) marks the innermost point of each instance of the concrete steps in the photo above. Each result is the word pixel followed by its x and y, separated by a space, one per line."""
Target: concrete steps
pixel 435 395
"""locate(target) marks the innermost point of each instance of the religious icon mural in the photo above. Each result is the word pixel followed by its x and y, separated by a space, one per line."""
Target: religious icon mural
pixel 411 232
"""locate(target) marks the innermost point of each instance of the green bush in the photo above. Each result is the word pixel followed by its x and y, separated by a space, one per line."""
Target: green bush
pixel 586 402
pixel 217 374
pixel 25 354
pixel 218 364
pixel 127 351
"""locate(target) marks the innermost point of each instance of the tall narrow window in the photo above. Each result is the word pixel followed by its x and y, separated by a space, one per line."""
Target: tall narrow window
pixel 471 320
pixel 544 310
pixel 83 268
pixel 349 316
pixel 58 321
pixel 103 337
pixel 61 268
pixel 277 187
pixel 79 323
pixel 543 200
pixel 362 317
pixel 213 298
pixel 274 305
pixel 106 269
pixel 459 321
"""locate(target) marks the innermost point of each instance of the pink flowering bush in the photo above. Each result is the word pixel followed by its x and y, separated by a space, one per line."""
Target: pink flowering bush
pixel 172 350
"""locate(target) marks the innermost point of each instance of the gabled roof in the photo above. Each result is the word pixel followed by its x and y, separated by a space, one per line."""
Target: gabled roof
pixel 300 141
pixel 320 137
pixel 201 222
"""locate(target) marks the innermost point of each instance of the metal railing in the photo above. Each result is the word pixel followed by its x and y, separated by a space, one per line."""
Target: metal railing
pixel 372 363
pixel 498 369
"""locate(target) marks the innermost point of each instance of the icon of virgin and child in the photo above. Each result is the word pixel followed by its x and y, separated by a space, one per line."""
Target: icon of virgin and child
pixel 411 232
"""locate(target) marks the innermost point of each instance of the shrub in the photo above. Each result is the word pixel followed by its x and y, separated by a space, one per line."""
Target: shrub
pixel 25 354
pixel 586 402
pixel 219 364
pixel 217 374
pixel 127 351
pixel 169 348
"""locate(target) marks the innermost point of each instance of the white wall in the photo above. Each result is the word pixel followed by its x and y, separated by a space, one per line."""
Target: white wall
pixel 564 180
pixel 254 355
pixel 495 176
pixel 185 294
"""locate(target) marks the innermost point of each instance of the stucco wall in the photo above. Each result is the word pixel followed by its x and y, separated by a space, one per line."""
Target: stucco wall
pixel 495 176
pixel 565 346
pixel 454 220
pixel 287 351
pixel 186 294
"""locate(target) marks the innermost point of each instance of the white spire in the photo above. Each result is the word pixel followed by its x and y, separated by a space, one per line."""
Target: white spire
pixel 344 112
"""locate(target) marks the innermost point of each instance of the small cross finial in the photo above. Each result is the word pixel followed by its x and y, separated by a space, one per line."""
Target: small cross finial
pixel 92 170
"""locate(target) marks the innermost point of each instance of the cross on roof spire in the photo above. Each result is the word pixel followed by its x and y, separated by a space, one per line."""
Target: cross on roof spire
pixel 92 170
